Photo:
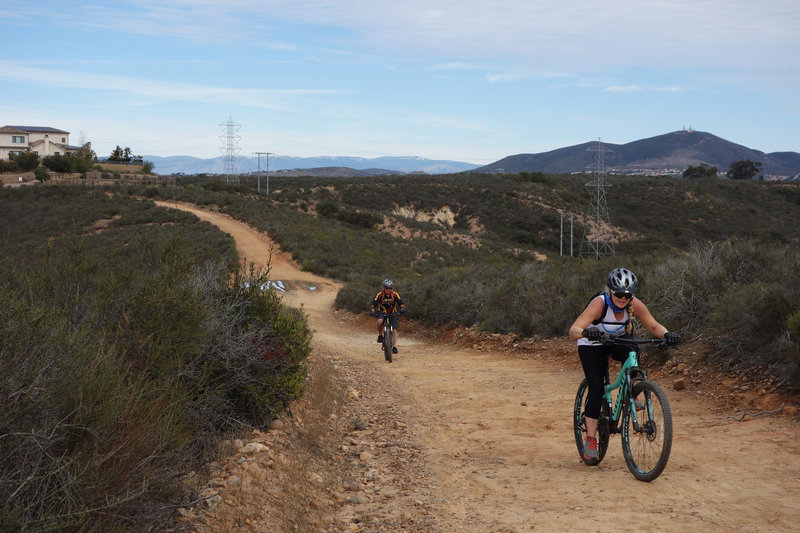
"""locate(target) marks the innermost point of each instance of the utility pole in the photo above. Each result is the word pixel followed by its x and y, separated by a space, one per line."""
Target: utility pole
pixel 259 154
pixel 571 223
pixel 268 154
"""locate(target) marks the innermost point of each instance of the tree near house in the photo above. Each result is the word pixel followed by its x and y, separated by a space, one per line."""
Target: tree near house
pixel 41 174
pixel 66 164
pixel 25 161
pixel 86 152
pixel 744 170
pixel 124 154
pixel 117 154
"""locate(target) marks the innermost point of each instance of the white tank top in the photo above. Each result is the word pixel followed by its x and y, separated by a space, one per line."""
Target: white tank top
pixel 609 324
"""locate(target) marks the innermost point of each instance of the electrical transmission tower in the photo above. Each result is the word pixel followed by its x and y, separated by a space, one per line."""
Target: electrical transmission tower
pixel 597 229
pixel 230 150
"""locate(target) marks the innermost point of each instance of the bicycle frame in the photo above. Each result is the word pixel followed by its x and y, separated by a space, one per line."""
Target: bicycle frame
pixel 628 374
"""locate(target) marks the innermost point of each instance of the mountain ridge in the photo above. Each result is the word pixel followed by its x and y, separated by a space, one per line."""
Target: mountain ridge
pixel 667 154
pixel 360 165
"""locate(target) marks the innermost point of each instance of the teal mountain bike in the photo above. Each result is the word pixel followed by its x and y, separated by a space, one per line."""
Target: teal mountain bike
pixel 646 431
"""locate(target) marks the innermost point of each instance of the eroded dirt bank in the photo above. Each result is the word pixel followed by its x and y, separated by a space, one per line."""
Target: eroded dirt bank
pixel 469 433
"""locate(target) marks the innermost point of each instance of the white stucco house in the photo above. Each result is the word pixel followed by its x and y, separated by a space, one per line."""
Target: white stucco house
pixel 38 139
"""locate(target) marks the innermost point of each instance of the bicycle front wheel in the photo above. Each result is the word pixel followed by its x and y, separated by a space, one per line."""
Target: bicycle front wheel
pixel 647 451
pixel 579 426
pixel 387 343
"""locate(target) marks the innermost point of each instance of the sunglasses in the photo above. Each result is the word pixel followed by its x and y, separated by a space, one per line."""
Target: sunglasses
pixel 623 296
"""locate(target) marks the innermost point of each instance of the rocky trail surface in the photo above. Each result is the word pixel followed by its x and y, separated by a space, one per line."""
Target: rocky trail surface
pixel 468 432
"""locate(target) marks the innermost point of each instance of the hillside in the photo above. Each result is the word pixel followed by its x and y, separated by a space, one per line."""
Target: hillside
pixel 668 154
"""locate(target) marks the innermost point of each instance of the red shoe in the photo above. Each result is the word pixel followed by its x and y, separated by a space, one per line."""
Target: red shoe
pixel 590 449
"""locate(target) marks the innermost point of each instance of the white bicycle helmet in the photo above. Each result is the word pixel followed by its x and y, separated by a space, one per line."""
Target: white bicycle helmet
pixel 622 280
pixel 388 283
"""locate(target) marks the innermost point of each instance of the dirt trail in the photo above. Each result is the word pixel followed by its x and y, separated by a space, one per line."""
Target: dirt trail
pixel 487 438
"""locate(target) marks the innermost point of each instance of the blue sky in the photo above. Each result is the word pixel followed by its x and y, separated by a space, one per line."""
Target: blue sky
pixel 463 80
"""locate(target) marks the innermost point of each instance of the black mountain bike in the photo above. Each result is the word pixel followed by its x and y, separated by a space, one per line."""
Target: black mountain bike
pixel 646 431
pixel 388 333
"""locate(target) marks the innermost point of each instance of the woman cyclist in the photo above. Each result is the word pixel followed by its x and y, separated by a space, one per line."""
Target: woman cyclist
pixel 609 314
pixel 387 301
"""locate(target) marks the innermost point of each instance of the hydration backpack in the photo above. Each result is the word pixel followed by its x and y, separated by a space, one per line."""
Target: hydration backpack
pixel 628 324
pixel 602 293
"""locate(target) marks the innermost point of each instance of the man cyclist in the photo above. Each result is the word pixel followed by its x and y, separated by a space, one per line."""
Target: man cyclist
pixel 387 301
pixel 609 314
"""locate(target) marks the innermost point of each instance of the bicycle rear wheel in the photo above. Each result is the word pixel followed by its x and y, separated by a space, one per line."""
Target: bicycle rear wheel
pixel 579 426
pixel 647 451
pixel 387 343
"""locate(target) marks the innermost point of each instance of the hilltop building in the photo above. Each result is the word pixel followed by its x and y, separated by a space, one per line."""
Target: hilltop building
pixel 37 139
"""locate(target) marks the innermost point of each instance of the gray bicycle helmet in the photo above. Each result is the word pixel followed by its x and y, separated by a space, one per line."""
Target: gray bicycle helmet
pixel 622 280
pixel 388 283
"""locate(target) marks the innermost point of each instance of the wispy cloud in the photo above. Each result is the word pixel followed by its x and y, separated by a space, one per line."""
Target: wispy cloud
pixel 675 89
pixel 258 98
pixel 455 65
pixel 505 77
pixel 679 32
pixel 641 88
pixel 625 89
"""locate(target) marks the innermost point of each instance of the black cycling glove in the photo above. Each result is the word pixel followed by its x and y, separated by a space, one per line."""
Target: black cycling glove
pixel 672 338
pixel 593 334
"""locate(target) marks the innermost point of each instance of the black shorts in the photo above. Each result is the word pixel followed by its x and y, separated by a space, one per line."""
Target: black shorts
pixel 393 321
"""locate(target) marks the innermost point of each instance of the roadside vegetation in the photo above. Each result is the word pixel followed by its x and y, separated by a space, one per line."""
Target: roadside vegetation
pixel 718 258
pixel 129 349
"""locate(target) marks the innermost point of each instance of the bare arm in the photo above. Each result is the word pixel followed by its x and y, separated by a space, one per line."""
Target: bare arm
pixel 589 315
pixel 645 317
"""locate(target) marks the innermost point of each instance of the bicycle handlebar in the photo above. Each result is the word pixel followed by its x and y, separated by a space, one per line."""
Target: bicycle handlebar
pixel 609 340
pixel 378 314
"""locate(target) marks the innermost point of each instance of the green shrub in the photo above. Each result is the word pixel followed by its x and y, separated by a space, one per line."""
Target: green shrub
pixel 327 209
pixel 41 174
pixel 125 355
pixel 59 163
pixel 359 218
pixel 741 296
pixel 25 161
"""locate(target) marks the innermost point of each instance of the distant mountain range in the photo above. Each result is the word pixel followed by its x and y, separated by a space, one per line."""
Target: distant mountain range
pixel 290 165
pixel 668 154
